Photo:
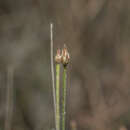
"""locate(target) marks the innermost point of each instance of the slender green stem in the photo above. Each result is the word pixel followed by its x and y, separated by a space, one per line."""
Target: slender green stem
pixel 57 96
pixel 64 98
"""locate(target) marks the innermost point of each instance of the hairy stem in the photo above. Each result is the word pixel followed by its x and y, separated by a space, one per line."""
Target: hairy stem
pixel 57 96
pixel 64 98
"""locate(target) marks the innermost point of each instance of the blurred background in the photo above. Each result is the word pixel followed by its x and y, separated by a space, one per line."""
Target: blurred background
pixel 97 34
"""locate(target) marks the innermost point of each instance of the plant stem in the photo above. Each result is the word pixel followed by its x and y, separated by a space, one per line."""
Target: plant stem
pixel 52 71
pixel 57 96
pixel 64 98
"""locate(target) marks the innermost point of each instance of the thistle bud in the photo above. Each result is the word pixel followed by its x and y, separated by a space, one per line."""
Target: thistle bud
pixel 58 57
pixel 65 56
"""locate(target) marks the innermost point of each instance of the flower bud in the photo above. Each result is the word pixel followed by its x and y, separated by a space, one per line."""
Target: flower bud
pixel 58 57
pixel 65 56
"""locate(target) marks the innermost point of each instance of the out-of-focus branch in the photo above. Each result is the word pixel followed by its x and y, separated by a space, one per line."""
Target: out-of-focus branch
pixel 9 99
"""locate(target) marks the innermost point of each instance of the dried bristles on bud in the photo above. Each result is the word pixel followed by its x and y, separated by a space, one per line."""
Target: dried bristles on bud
pixel 58 57
pixel 65 56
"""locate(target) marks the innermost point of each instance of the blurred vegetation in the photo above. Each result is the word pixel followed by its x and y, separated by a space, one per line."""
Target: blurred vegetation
pixel 97 35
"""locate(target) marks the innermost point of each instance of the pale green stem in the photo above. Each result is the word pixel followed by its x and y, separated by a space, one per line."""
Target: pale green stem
pixel 64 98
pixel 57 96
pixel 52 70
